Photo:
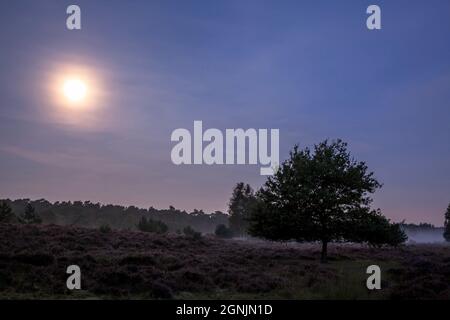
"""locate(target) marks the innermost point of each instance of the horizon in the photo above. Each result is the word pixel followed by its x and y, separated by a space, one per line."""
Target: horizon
pixel 188 211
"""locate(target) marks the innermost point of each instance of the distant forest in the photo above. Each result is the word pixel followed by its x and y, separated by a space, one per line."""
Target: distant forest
pixel 423 232
pixel 94 215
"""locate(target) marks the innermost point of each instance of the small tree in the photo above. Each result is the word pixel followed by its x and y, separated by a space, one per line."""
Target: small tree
pixel 321 195
pixel 105 228
pixel 191 233
pixel 240 206
pixel 447 224
pixel 222 231
pixel 150 225
pixel 30 216
pixel 6 214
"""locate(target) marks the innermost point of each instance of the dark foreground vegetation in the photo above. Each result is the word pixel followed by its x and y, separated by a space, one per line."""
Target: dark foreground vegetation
pixel 133 264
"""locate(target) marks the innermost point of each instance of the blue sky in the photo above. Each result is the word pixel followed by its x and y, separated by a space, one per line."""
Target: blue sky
pixel 308 68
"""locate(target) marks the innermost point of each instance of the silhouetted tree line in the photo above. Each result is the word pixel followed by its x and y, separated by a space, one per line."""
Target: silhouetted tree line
pixel 423 226
pixel 95 215
pixel 423 232
pixel 28 216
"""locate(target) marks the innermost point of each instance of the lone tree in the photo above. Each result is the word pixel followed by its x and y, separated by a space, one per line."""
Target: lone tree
pixel 447 224
pixel 322 195
pixel 6 214
pixel 241 204
pixel 30 216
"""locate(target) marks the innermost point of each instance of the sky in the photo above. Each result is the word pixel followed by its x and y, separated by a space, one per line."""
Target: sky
pixel 311 69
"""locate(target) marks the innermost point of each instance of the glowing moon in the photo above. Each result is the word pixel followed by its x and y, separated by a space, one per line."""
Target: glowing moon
pixel 75 90
pixel 76 95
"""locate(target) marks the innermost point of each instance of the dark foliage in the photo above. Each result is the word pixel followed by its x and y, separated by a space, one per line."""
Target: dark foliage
pixel 150 225
pixel 30 216
pixel 191 233
pixel 420 226
pixel 6 214
pixel 222 231
pixel 240 206
pixel 373 228
pixel 447 224
pixel 321 195
pixel 94 215
pixel 105 228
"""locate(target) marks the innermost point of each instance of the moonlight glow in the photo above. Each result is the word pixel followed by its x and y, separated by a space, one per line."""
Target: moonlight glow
pixel 75 94
pixel 74 90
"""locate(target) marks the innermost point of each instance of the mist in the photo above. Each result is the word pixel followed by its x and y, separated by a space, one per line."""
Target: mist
pixel 434 235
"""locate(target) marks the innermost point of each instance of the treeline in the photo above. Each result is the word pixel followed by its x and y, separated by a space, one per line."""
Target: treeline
pixel 95 215
pixel 423 226
pixel 424 232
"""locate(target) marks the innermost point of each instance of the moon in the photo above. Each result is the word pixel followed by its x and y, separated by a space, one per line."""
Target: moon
pixel 76 95
pixel 75 90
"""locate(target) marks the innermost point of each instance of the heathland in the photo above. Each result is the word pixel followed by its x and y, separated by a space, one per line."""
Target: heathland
pixel 132 264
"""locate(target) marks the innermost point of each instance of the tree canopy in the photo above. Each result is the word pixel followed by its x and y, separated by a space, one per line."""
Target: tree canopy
pixel 88 214
pixel 6 213
pixel 222 231
pixel 150 225
pixel 30 216
pixel 322 195
pixel 239 208
pixel 447 224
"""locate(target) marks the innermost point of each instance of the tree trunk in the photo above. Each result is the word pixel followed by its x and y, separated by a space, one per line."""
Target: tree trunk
pixel 323 257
